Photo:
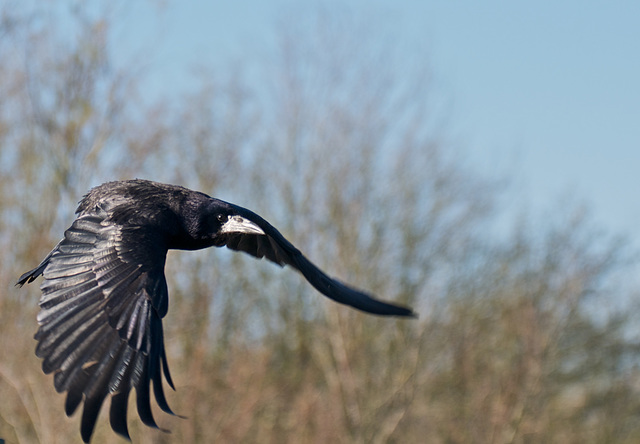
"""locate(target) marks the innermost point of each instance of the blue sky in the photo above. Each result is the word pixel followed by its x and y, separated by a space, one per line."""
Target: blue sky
pixel 556 86
pixel 549 90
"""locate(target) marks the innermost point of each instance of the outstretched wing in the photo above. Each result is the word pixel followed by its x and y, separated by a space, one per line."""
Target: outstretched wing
pixel 103 298
pixel 276 248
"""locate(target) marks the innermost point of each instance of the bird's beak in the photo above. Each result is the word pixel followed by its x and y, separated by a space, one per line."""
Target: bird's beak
pixel 237 224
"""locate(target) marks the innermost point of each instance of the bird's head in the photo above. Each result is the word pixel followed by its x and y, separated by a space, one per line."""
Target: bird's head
pixel 236 224
pixel 217 220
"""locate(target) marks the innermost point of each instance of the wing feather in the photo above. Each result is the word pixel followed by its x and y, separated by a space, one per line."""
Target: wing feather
pixel 103 297
pixel 118 419
pixel 276 248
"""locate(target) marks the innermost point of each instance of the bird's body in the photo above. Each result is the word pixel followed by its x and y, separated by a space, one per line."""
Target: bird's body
pixel 104 292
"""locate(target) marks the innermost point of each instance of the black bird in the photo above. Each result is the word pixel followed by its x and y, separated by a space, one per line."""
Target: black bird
pixel 104 292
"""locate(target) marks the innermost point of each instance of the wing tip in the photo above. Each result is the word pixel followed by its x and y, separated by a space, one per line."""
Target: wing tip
pixel 400 311
pixel 26 278
pixel 410 314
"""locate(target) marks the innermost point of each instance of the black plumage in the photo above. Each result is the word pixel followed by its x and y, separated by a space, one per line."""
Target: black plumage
pixel 104 292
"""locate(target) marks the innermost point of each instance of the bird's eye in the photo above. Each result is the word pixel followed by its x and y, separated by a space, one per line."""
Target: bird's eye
pixel 221 217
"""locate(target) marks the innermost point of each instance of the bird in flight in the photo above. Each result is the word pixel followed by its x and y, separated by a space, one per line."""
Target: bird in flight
pixel 104 292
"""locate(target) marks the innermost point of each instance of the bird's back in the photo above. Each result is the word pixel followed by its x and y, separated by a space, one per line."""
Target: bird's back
pixel 140 202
